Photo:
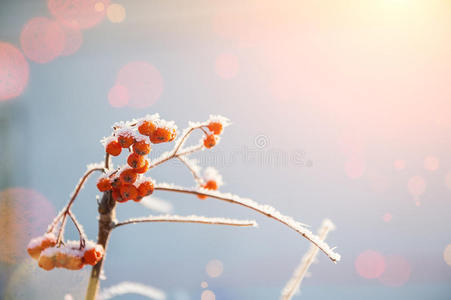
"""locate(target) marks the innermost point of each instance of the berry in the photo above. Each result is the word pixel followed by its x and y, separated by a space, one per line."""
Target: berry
pixel 113 148
pixel 37 245
pixel 46 262
pixel 210 185
pixel 135 160
pixel 162 135
pixel 144 168
pixel 215 127
pixel 116 195
pixel 145 188
pixel 128 176
pixel 125 139
pixel 74 262
pixel 93 256
pixel 147 128
pixel 210 141
pixel 129 192
pixel 141 147
pixel 61 259
pixel 104 184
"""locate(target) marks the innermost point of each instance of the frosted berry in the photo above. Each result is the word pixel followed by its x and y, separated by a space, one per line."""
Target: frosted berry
pixel 215 127
pixel 37 245
pixel 74 262
pixel 46 262
pixel 125 139
pixel 209 185
pixel 113 148
pixel 162 135
pixel 141 147
pixel 145 188
pixel 116 195
pixel 147 128
pixel 135 160
pixel 104 184
pixel 128 176
pixel 210 141
pixel 93 256
pixel 144 168
pixel 128 192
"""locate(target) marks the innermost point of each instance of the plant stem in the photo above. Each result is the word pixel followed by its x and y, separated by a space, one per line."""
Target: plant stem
pixel 107 218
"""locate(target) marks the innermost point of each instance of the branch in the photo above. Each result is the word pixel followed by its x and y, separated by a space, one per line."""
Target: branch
pixel 189 219
pixel 132 288
pixel 292 286
pixel 191 167
pixel 266 210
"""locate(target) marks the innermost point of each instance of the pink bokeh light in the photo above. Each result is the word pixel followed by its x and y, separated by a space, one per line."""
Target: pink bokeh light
pixel 42 40
pixel 370 264
pixel 431 163
pixel 227 66
pixel 73 40
pixel 397 271
pixel 399 164
pixel 416 186
pixel 80 13
pixel 24 214
pixel 118 96
pixel 387 217
pixel 143 82
pixel 14 72
pixel 355 167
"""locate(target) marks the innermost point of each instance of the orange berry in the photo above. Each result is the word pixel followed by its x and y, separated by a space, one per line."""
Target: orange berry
pixel 210 185
pixel 210 141
pixel 37 245
pixel 74 262
pixel 147 128
pixel 125 139
pixel 135 160
pixel 93 255
pixel 144 168
pixel 113 148
pixel 116 195
pixel 215 127
pixel 162 135
pixel 46 262
pixel 141 147
pixel 145 188
pixel 128 176
pixel 116 183
pixel 104 184
pixel 129 192
pixel 61 259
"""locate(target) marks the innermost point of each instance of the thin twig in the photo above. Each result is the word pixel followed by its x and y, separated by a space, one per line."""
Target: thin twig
pixel 78 227
pixel 193 172
pixel 189 219
pixel 292 286
pixel 265 210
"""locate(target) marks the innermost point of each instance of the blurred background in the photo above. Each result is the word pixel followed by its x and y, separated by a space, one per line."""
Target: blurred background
pixel 340 110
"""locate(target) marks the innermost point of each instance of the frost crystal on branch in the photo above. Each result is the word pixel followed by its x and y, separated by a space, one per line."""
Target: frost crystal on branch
pixel 132 288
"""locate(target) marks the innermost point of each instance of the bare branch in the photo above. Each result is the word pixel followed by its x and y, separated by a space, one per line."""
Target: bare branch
pixel 266 210
pixel 292 286
pixel 189 219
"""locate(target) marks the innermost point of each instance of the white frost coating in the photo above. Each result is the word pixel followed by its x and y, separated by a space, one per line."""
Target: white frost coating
pixel 156 204
pixel 220 119
pixel 106 140
pixel 192 219
pixel 263 209
pixel 211 173
pixel 37 242
pixel 292 286
pixel 126 131
pixel 131 288
pixel 99 165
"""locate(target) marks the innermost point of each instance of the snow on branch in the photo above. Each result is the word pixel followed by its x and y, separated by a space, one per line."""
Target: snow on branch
pixel 267 210
pixel 189 219
pixel 127 287
pixel 292 286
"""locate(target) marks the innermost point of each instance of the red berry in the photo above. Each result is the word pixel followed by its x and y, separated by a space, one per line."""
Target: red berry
pixel 209 185
pixel 210 141
pixel 135 160
pixel 144 168
pixel 162 135
pixel 104 184
pixel 128 176
pixel 141 147
pixel 93 256
pixel 125 139
pixel 146 188
pixel 129 192
pixel 113 148
pixel 215 127
pixel 146 128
